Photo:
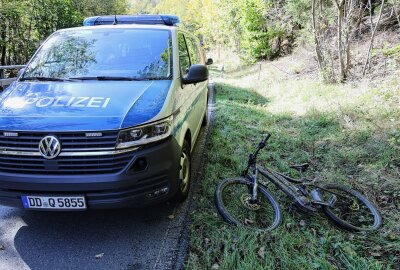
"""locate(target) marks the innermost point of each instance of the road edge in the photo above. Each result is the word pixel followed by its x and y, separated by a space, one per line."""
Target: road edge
pixel 183 244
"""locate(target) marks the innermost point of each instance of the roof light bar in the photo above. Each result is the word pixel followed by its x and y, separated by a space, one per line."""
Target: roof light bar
pixel 170 20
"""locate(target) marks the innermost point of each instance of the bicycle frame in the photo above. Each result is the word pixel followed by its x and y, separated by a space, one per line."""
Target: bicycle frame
pixel 294 188
pixel 299 195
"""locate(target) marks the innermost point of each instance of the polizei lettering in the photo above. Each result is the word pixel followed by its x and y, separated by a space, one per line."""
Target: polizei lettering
pixel 77 102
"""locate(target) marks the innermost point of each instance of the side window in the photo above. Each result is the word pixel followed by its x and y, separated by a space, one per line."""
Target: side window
pixel 194 51
pixel 184 59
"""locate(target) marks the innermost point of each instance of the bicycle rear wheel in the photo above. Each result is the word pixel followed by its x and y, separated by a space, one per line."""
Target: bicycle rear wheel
pixel 351 211
pixel 233 201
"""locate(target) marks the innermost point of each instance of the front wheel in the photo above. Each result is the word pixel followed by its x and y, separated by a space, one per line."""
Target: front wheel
pixel 184 174
pixel 205 116
pixel 233 201
pixel 350 209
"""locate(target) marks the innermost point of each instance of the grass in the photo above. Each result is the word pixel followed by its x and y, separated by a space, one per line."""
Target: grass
pixel 349 133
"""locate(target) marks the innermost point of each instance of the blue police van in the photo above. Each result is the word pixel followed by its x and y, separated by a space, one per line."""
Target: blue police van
pixel 104 116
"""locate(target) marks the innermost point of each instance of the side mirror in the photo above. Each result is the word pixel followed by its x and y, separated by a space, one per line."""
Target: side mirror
pixel 209 61
pixel 22 70
pixel 196 74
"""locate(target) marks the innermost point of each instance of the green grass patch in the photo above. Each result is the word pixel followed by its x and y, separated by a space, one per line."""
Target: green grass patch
pixel 354 144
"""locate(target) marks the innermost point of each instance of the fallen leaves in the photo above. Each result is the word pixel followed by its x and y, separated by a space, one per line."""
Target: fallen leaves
pixel 383 200
pixel 248 222
pixel 171 217
pixel 375 254
pixel 393 237
pixel 99 256
pixel 261 252
pixel 314 231
pixel 207 241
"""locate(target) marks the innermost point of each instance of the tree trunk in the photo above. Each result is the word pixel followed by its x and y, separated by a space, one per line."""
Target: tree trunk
pixel 342 74
pixel 318 52
pixel 371 44
pixel 4 48
pixel 397 14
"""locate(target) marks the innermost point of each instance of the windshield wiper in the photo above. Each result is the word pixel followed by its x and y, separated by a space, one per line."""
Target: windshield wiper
pixel 109 78
pixel 39 78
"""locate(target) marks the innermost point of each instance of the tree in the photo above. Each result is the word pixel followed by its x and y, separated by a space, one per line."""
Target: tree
pixel 332 38
pixel 25 23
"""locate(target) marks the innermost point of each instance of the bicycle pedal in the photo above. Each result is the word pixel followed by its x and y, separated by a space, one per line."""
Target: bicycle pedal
pixel 332 200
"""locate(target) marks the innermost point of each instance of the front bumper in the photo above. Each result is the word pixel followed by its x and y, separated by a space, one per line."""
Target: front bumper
pixel 122 189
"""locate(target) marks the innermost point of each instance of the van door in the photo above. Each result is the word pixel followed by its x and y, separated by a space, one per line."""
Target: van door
pixel 187 92
pixel 200 89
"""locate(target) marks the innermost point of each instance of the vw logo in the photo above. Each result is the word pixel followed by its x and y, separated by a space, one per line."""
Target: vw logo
pixel 49 147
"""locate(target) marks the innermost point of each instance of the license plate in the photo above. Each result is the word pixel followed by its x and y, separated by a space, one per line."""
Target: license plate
pixel 54 202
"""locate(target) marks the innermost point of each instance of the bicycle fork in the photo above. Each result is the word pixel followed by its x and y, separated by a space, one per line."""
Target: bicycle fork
pixel 255 184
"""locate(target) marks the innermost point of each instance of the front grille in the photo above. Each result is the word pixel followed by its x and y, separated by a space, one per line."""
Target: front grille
pixel 70 141
pixel 62 165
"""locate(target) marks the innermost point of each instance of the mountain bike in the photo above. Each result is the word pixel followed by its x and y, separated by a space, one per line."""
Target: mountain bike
pixel 243 201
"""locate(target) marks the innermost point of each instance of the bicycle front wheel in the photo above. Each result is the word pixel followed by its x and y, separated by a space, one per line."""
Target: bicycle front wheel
pixel 351 211
pixel 233 200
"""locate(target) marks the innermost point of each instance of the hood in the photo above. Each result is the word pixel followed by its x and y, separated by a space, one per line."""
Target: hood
pixel 80 106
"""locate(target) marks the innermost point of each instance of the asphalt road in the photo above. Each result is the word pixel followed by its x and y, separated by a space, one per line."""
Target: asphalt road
pixel 150 238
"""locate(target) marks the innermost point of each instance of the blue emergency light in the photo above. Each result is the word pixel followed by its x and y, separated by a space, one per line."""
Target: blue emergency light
pixel 170 20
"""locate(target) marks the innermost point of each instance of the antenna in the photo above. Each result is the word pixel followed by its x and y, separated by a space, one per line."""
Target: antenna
pixel 115 20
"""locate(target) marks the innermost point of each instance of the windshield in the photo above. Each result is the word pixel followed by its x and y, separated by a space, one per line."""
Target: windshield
pixel 103 53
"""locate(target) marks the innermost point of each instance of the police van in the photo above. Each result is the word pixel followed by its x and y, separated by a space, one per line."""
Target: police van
pixel 104 116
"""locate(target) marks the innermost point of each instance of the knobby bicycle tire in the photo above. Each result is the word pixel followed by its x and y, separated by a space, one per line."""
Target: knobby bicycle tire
pixel 262 191
pixel 345 224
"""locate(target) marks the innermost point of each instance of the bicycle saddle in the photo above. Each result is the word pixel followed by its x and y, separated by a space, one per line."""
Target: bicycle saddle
pixel 300 167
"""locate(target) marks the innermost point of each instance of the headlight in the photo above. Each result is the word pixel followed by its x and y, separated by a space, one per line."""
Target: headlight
pixel 145 134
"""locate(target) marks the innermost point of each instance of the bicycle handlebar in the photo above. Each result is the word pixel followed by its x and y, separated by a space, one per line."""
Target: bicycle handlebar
pixel 264 142
pixel 261 145
pixel 253 157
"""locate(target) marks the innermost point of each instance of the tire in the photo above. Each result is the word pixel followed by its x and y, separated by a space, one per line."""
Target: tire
pixel 359 208
pixel 185 174
pixel 205 117
pixel 249 216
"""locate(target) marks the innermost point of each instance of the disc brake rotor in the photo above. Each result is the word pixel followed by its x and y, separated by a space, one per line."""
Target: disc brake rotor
pixel 355 206
pixel 246 201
